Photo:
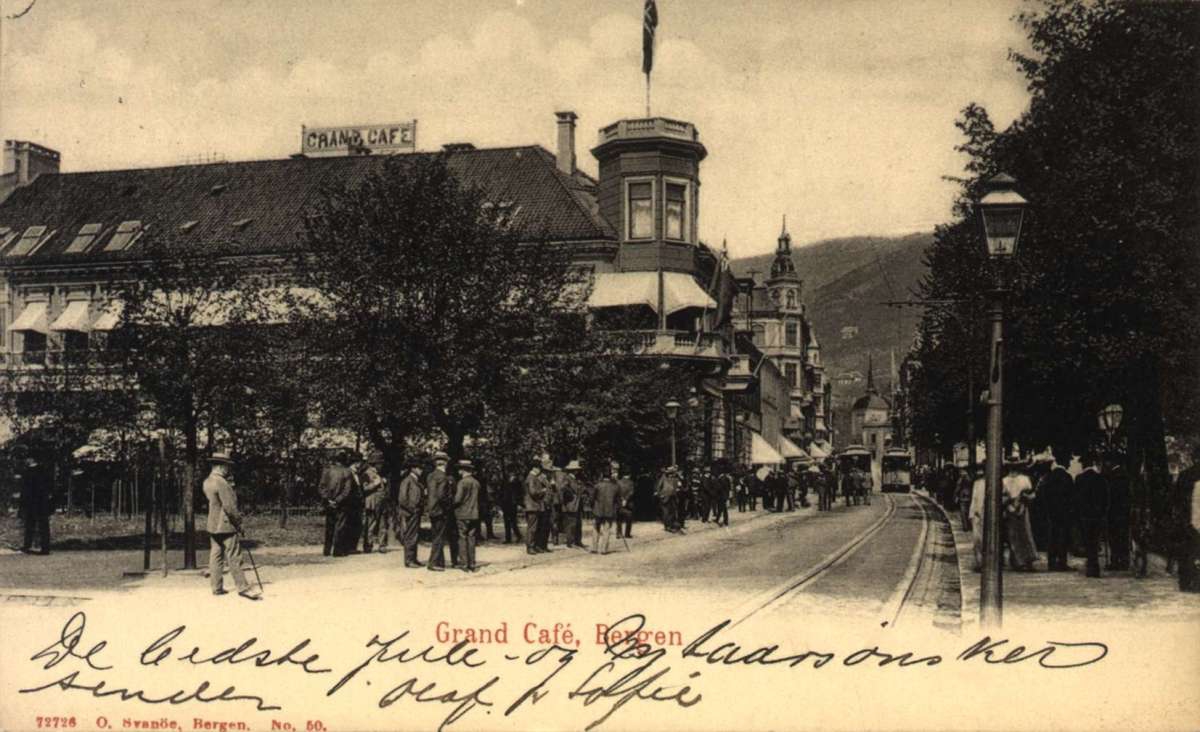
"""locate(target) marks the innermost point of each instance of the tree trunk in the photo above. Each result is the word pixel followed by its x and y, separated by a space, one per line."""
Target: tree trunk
pixel 190 471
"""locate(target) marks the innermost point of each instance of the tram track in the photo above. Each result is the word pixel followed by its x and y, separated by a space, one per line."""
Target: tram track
pixel 919 593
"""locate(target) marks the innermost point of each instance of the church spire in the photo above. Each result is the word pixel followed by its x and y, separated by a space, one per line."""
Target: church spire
pixel 870 374
pixel 783 267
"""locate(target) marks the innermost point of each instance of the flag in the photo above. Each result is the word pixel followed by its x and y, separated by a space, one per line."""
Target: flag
pixel 649 24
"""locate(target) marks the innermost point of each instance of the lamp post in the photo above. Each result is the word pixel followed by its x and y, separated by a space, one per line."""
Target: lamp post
pixel 672 408
pixel 1001 211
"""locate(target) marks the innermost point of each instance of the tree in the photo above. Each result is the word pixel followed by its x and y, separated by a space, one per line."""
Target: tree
pixel 1104 290
pixel 193 335
pixel 421 296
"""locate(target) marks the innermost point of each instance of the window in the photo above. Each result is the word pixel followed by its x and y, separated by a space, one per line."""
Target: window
pixel 676 211
pixel 75 346
pixel 84 238
pixel 793 374
pixel 791 298
pixel 791 334
pixel 641 210
pixel 6 236
pixel 28 241
pixel 127 232
pixel 33 346
pixel 760 335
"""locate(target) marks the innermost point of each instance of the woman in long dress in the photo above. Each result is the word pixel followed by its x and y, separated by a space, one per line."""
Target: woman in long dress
pixel 1018 494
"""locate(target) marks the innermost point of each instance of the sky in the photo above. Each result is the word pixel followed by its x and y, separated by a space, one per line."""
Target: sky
pixel 838 113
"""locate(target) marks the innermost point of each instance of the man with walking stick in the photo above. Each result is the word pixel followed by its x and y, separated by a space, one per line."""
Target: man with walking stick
pixel 225 529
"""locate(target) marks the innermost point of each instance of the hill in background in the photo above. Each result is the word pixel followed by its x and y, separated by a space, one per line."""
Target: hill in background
pixel 846 282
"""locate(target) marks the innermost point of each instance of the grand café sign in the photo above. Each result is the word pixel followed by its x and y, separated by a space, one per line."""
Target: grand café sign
pixel 358 138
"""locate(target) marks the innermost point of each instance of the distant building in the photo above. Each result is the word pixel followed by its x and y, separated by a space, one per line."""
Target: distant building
pixel 870 418
pixel 849 378
pixel 849 332
pixel 775 314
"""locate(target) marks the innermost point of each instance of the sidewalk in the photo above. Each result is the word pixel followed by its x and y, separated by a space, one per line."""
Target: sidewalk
pixel 1072 596
pixel 32 580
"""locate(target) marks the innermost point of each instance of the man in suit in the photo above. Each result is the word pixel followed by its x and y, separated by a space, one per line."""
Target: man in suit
pixel 409 503
pixel 439 504
pixel 224 529
pixel 1091 501
pixel 604 512
pixel 375 505
pixel 1187 509
pixel 571 496
pixel 337 491
pixel 36 505
pixel 510 505
pixel 466 513
pixel 535 494
pixel 625 497
pixel 1057 490
pixel 665 491
pixel 722 483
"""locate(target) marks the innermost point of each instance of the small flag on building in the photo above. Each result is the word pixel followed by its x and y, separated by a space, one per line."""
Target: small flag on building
pixel 649 24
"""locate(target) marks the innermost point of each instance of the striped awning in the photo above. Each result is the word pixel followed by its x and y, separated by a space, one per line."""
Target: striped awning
pixel 109 316
pixel 761 452
pixel 623 289
pixel 74 318
pixel 34 318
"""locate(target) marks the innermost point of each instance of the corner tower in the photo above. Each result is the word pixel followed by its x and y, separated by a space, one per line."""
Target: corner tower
pixel 784 286
pixel 649 191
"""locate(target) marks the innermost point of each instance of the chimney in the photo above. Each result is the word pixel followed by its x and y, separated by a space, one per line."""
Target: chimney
pixel 566 141
pixel 23 163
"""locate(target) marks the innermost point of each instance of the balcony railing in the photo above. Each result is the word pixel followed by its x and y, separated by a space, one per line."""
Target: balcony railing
pixel 678 343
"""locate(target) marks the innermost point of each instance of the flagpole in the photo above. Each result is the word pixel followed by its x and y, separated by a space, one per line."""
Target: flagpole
pixel 647 93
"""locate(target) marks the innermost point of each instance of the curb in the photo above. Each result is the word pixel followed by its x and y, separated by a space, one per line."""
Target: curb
pixel 968 613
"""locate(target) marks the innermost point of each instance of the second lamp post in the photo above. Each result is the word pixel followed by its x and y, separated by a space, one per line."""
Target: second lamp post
pixel 1001 210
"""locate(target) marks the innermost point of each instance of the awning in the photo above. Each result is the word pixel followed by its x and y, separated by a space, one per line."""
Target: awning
pixel 110 316
pixel 33 318
pixel 618 289
pixel 816 452
pixel 74 318
pixel 790 450
pixel 761 452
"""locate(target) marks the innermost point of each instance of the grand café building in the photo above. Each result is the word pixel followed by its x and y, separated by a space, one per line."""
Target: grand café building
pixel 634 228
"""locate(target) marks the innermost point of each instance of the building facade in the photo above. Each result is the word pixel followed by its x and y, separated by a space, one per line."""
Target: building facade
pixel 871 419
pixel 65 238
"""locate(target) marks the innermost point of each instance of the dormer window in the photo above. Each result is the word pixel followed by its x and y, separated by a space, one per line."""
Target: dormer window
pixel 187 226
pixel 641 210
pixel 242 223
pixel 6 236
pixel 676 211
pixel 127 233
pixel 84 238
pixel 28 241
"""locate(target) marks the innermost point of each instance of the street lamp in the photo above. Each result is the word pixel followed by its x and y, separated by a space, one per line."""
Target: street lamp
pixel 1109 419
pixel 672 408
pixel 1001 210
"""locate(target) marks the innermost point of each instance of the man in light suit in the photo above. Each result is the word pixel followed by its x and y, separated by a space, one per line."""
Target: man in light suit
pixel 376 506
pixel 535 493
pixel 605 512
pixel 224 529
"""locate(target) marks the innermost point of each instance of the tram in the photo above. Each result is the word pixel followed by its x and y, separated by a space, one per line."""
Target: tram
pixel 855 456
pixel 897 471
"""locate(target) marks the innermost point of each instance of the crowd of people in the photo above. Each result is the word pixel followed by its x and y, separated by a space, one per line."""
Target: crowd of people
pixel 1087 511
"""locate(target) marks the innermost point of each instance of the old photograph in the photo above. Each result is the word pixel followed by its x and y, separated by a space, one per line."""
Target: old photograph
pixel 624 365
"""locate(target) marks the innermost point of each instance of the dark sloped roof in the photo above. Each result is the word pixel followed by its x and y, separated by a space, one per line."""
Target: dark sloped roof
pixel 273 195
pixel 871 400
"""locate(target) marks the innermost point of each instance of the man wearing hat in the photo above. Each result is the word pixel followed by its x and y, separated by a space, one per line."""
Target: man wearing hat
pixel 375 504
pixel 466 513
pixel 552 511
pixel 665 491
pixel 1056 489
pixel 571 496
pixel 409 500
pixel 336 489
pixel 535 494
pixel 1091 505
pixel 36 504
pixel 224 528
pixel 604 512
pixel 440 507
pixel 625 491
